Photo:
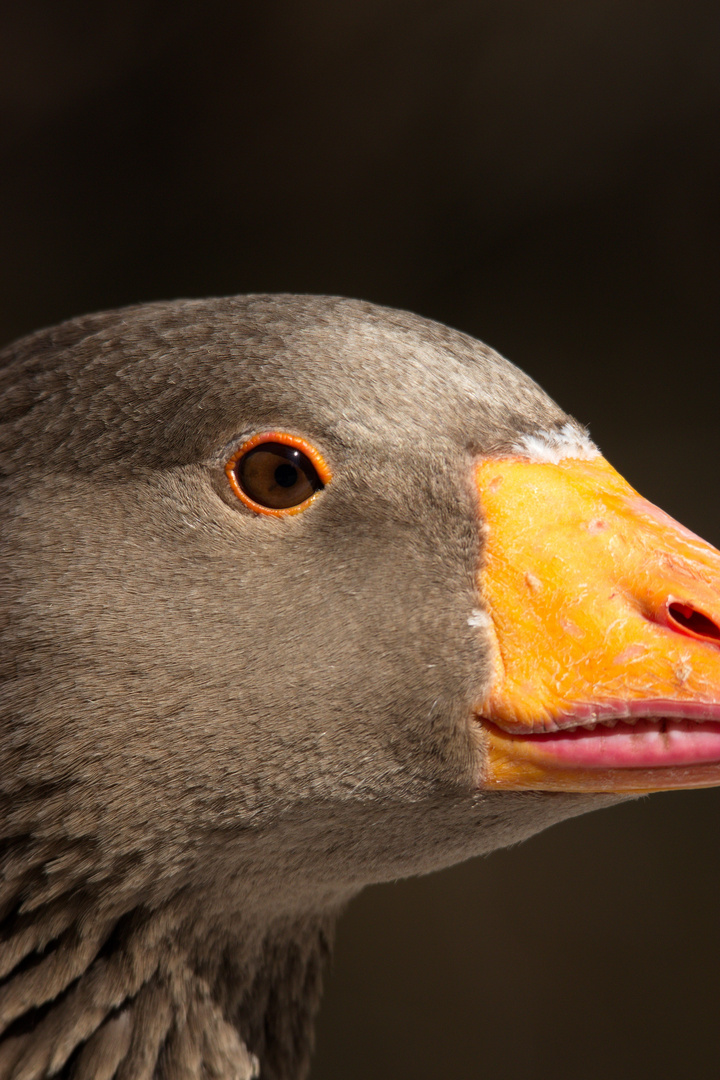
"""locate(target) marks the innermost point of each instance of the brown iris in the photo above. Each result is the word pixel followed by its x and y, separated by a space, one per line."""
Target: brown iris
pixel 276 473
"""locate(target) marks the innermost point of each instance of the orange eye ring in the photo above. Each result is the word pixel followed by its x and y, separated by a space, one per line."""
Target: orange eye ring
pixel 279 467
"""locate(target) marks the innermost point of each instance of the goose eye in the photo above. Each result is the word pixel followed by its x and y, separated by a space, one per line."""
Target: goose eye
pixel 277 474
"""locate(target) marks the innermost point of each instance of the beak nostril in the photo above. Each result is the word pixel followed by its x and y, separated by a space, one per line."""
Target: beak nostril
pixel 685 618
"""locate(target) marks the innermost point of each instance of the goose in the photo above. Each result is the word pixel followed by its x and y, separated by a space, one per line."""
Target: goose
pixel 299 594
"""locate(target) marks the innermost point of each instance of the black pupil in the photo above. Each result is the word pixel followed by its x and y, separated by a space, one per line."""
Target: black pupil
pixel 286 475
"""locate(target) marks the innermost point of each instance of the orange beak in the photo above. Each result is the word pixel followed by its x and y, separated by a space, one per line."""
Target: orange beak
pixel 605 615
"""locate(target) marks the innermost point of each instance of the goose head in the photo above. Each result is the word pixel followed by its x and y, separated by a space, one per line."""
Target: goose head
pixel 300 594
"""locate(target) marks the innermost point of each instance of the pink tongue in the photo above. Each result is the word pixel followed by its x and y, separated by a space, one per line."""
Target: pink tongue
pixel 643 745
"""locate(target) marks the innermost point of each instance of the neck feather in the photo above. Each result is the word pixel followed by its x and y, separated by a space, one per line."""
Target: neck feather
pixel 155 995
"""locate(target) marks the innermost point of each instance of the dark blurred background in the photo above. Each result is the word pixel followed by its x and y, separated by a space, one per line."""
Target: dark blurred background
pixel 542 174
